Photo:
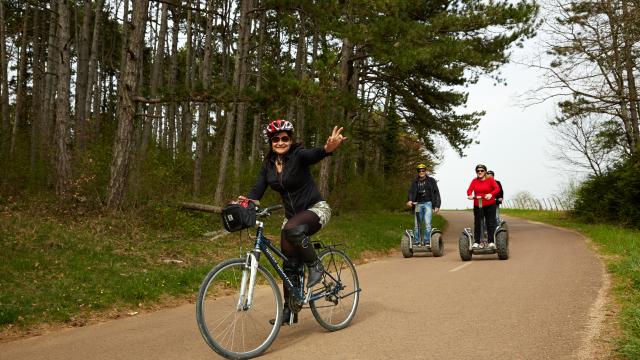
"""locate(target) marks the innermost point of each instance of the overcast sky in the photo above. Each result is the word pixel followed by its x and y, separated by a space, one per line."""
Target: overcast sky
pixel 515 142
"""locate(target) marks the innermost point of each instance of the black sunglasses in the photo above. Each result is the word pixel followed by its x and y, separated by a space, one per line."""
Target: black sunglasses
pixel 277 139
pixel 480 171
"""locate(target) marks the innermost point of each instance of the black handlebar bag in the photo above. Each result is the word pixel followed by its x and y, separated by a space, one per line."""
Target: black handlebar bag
pixel 236 217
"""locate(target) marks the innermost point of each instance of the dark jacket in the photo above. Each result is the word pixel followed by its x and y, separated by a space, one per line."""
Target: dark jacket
pixel 295 184
pixel 433 188
pixel 500 194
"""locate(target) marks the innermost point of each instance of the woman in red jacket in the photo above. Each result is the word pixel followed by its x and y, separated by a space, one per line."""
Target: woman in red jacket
pixel 487 188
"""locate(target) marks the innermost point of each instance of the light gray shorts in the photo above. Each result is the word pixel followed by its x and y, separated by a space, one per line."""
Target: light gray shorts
pixel 321 209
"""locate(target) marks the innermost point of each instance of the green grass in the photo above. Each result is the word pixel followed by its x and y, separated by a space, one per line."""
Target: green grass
pixel 63 268
pixel 621 247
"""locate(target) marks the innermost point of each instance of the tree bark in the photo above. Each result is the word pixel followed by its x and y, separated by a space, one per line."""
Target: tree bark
pixel 82 74
pixel 187 117
pixel 240 79
pixel 629 69
pixel 4 85
pixel 37 103
pixel 21 84
pixel 301 74
pixel 93 84
pixel 126 107
pixel 173 79
pixel 154 121
pixel 63 159
pixel 47 115
pixel 345 59
pixel 203 112
pixel 255 143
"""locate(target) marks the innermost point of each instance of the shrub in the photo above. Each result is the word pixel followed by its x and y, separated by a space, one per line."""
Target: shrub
pixel 612 197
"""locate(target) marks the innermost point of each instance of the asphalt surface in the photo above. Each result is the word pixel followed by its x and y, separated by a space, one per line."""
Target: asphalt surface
pixel 540 304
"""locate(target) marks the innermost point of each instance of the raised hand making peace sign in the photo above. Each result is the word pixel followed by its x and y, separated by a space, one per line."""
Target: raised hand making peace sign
pixel 335 140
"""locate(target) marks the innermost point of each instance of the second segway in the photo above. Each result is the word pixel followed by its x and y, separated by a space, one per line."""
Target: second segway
pixel 467 239
pixel 409 246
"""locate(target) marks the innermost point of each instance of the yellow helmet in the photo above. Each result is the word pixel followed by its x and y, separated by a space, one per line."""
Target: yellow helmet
pixel 421 167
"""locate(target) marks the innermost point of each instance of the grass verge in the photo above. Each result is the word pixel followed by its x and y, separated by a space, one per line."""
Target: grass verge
pixel 63 269
pixel 621 249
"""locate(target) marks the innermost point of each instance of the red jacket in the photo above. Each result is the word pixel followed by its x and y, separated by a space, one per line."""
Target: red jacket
pixel 483 187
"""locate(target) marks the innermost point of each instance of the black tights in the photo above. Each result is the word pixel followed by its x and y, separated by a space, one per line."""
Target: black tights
pixel 311 219
pixel 489 214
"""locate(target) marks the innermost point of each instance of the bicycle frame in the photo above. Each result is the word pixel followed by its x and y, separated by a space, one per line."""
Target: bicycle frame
pixel 264 245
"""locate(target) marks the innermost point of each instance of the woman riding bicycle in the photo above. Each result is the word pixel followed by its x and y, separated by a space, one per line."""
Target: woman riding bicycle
pixel 487 188
pixel 286 170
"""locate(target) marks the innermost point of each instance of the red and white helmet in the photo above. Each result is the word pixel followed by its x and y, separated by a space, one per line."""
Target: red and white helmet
pixel 277 126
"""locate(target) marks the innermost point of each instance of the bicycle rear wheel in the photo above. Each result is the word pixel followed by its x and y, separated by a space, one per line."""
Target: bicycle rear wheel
pixel 230 327
pixel 337 308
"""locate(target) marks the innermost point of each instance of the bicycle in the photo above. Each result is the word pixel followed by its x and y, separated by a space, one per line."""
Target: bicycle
pixel 239 296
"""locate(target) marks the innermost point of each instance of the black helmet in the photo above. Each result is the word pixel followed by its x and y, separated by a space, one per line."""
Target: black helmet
pixel 490 172
pixel 481 166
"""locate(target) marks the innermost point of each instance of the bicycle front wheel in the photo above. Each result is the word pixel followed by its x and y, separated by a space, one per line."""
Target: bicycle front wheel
pixel 341 289
pixel 231 326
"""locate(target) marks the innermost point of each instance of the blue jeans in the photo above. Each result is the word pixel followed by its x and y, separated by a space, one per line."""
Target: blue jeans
pixel 423 214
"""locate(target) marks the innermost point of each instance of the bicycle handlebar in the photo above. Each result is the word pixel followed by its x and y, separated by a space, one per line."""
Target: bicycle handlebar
pixel 267 211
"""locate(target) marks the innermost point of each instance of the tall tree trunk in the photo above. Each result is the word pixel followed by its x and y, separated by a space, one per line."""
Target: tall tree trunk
pixel 255 143
pixel 619 72
pixel 187 116
pixel 203 112
pixel 156 81
pixel 93 83
pixel 126 108
pixel 298 107
pixel 51 80
pixel 345 60
pixel 82 78
pixel 241 78
pixel 173 79
pixel 22 83
pixel 63 159
pixel 4 85
pixel 629 69
pixel 37 103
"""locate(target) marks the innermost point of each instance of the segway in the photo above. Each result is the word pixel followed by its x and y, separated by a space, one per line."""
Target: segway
pixel 435 246
pixel 501 237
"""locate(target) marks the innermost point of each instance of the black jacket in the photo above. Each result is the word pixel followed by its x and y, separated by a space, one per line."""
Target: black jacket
pixel 295 184
pixel 500 194
pixel 433 186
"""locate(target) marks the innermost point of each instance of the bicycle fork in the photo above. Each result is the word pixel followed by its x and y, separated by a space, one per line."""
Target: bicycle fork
pixel 248 282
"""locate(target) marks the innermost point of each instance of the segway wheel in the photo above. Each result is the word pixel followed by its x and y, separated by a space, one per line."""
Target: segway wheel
pixel 437 245
pixel 463 246
pixel 502 244
pixel 405 246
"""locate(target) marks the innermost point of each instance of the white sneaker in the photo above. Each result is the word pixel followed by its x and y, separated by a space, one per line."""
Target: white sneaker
pixel 492 245
pixel 476 245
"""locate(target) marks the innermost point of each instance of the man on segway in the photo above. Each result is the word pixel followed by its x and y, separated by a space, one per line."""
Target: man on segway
pixel 499 197
pixel 425 197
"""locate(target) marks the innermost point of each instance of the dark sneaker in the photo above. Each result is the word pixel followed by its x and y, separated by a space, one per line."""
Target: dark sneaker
pixel 315 273
pixel 286 315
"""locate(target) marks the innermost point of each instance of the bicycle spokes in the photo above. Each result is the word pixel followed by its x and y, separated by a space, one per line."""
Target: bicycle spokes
pixel 336 299
pixel 234 307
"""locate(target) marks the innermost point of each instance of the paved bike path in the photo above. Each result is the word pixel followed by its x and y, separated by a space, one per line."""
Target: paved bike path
pixel 536 305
